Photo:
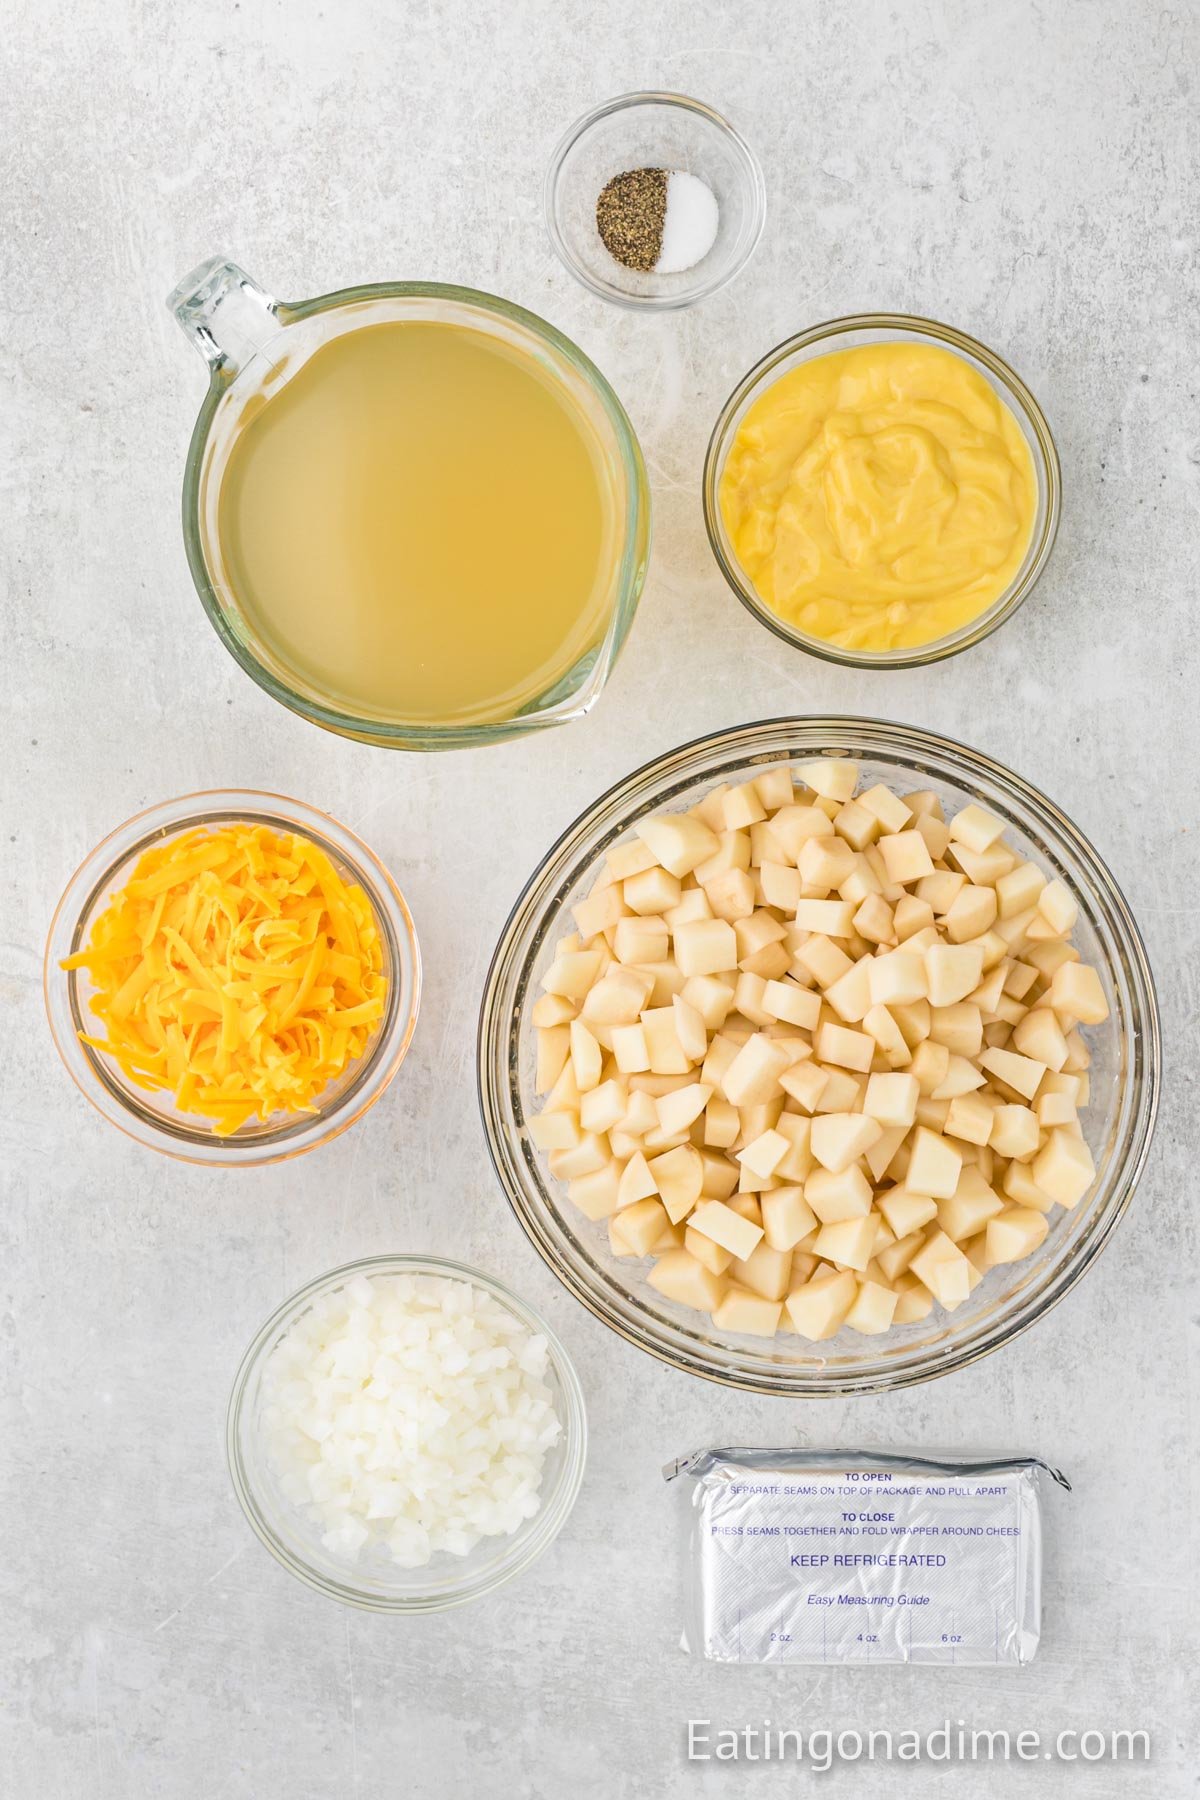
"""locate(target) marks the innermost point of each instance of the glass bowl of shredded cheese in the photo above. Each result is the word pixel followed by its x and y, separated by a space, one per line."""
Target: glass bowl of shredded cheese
pixel 232 977
pixel 406 1434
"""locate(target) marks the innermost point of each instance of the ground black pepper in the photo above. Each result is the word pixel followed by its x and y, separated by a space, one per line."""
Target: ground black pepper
pixel 630 214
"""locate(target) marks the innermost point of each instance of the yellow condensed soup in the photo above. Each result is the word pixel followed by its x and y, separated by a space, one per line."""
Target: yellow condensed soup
pixel 881 497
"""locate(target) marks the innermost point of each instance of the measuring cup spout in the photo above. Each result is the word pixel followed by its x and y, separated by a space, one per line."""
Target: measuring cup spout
pixel 227 316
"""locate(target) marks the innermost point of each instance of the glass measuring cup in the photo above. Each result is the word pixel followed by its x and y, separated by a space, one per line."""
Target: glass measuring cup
pixel 255 345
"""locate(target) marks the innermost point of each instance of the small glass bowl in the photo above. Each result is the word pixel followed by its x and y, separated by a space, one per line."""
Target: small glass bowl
pixel 376 1583
pixel 849 334
pixel 653 131
pixel 151 1118
pixel 1118 1120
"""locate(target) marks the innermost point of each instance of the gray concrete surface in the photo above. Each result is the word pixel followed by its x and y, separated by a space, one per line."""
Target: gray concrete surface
pixel 1025 170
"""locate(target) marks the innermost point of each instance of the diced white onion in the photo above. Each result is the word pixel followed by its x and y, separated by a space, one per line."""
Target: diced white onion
pixel 409 1412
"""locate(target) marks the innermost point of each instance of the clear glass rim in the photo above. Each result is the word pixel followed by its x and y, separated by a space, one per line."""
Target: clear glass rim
pixel 628 581
pixel 1046 466
pixel 604 821
pixel 547 1522
pixel 197 1144
pixel 609 291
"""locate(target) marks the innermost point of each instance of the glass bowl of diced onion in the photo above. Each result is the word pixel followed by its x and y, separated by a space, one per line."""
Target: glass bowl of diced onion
pixel 1117 1121
pixel 370 1577
pixel 151 1116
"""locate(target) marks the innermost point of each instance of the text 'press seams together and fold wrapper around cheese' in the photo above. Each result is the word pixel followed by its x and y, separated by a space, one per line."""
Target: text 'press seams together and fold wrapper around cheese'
pixel 851 1556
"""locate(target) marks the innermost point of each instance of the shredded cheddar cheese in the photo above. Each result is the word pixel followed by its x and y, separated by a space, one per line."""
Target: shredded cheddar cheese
pixel 237 971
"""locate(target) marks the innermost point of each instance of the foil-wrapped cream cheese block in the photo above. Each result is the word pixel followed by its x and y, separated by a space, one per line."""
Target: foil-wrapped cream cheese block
pixel 849 1556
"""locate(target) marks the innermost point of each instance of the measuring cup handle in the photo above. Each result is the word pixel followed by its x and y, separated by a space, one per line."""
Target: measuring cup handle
pixel 227 316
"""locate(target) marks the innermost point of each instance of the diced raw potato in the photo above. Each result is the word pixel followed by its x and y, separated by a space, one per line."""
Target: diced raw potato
pixel 887 807
pixel 976 829
pixel 733 853
pixel 970 1117
pixel 850 994
pixel 883 1027
pixel 1017 891
pixel 892 1099
pixel 930 1065
pixel 640 1225
pixel 640 941
pixel 844 1048
pixel 1014 1233
pixel 842 1092
pixel 765 1271
pixel 1058 906
pixel 885 1150
pixel 913 1301
pixel 824 862
pixel 764 1155
pixel 1019 1185
pixel 602 908
pixel 678 1176
pixel 831 918
pixel 604 1106
pixel 905 856
pixel 636 1182
pixel 793 1004
pixel 850 1242
pixel 1054 1109
pixel 894 1258
pixel 1064 1169
pixel 934 1166
pixel 653 891
pixel 1076 991
pixel 780 886
pixel 705 947
pixel 911 915
pixel 961 1077
pixel 747 1313
pixel 731 896
pixel 564 1096
pixel 727 1227
pixel 1020 1073
pixel 787 1217
pixel 596 1194
pixel 839 1139
pixel 1040 1036
pixel 897 978
pixel 856 825
pixel 553 1009
pixel 973 913
pixel 617 998
pixel 555 1130
pixel 958 1027
pixel 690 1029
pixel 774 786
pixel 693 905
pixel 678 840
pixel 952 971
pixel 832 1196
pixel 875 922
pixel 936 835
pixel 940 890
pixel 553 1049
pixel 572 973
pixel 754 1074
pixel 678 1276
pixel 630 1050
pixel 873 1310
pixel 705 1251
pixel 1015 1132
pixel 676 1111
pixel 720 1176
pixel 821 958
pixel 721 1125
pixel 834 778
pixel 818 1309
pixel 805 1083
pixel 969 1208
pixel 941 1265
